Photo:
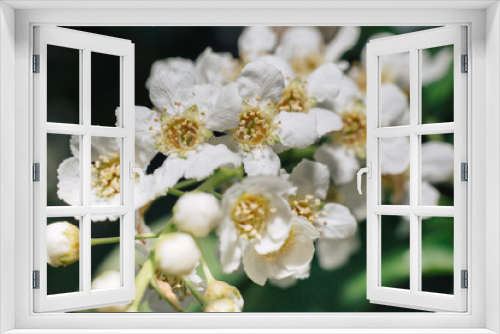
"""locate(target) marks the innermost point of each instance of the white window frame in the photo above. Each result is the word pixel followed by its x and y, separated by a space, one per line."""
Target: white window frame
pixel 16 21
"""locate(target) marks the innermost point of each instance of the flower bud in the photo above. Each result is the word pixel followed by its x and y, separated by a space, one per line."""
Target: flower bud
pixel 222 305
pixel 221 290
pixel 197 213
pixel 109 279
pixel 63 244
pixel 176 254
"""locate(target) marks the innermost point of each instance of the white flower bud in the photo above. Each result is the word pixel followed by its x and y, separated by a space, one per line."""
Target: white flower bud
pixel 109 280
pixel 222 305
pixel 197 213
pixel 63 244
pixel 176 254
pixel 221 290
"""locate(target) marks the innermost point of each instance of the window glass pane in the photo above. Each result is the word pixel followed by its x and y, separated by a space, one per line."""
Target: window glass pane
pixel 63 253
pixel 394 89
pixel 437 84
pixel 395 261
pixel 63 170
pixel 106 171
pixel 106 252
pixel 437 254
pixel 105 77
pixel 437 170
pixel 395 170
pixel 63 85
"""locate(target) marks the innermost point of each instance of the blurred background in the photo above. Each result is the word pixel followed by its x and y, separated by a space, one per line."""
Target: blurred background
pixel 339 290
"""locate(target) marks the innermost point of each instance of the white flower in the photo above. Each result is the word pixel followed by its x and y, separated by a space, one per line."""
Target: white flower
pixel 217 68
pixel 305 48
pixel 315 97
pixel 110 279
pixel 221 290
pixel 256 215
pixel 296 253
pixel 197 213
pixel 222 305
pixel 255 42
pixel 259 128
pixel 63 244
pixel 349 144
pixel 176 254
pixel 187 115
pixel 298 274
pixel 106 169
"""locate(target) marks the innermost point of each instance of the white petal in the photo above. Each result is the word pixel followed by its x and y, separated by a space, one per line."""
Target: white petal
pixel 167 175
pixel 434 68
pixel 171 86
pixel 257 269
pixel 342 162
pixel 281 64
pixel 437 161
pixel 106 146
pixel 296 130
pixel 355 202
pixel 230 249
pixel 208 158
pixel 277 229
pixel 394 155
pixel 326 121
pixel 225 111
pixel 260 80
pixel 311 178
pixel 324 83
pixel 167 64
pixel 256 41
pixel 343 41
pixel 144 143
pixel 333 253
pixel 349 93
pixel 261 162
pixel 214 68
pixel 430 195
pixel 74 145
pixel 340 223
pixel 393 104
pixel 68 185
pixel 300 42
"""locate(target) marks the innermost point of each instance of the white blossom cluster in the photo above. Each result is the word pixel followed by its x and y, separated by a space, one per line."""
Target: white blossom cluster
pixel 283 94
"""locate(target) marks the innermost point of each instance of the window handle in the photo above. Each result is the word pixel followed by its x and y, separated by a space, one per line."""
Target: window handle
pixel 368 171
pixel 139 171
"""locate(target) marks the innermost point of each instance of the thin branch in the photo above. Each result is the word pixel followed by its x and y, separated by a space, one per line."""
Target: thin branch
pixel 113 240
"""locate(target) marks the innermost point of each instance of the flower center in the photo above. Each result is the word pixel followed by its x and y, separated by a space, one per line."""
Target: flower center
pixel 295 97
pixel 307 207
pixel 303 66
pixel 181 132
pixel 106 176
pixel 255 128
pixel 250 214
pixel 353 133
pixel 177 284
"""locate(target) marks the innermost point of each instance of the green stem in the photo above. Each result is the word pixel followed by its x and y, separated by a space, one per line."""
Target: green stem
pixel 112 240
pixel 175 192
pixel 142 281
pixel 160 292
pixel 195 292
pixel 186 183
pixel 223 175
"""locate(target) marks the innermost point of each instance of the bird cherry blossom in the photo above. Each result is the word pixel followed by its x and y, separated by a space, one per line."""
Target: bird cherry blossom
pixel 63 244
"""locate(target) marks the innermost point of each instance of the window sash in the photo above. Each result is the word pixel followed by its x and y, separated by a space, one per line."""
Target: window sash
pixel 86 43
pixel 413 298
